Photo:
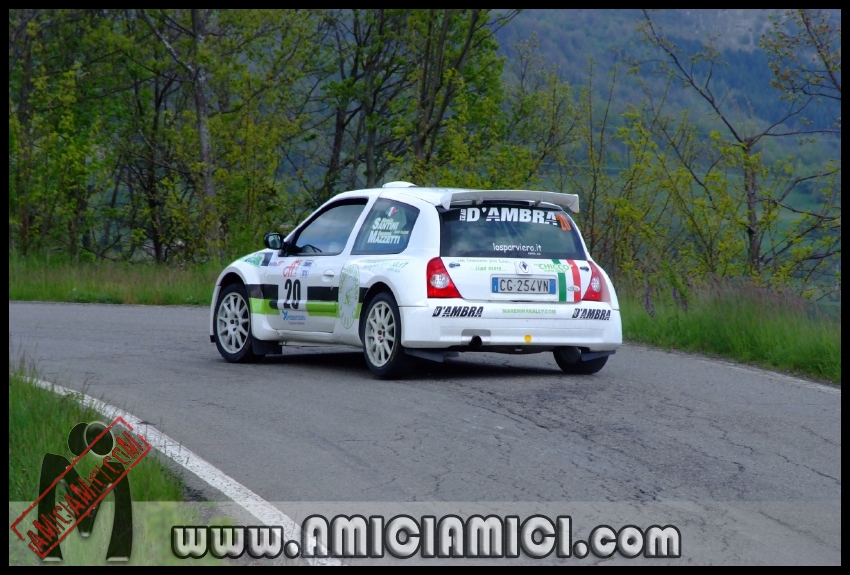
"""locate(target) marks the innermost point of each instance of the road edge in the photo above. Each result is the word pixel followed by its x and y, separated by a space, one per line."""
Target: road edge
pixel 252 503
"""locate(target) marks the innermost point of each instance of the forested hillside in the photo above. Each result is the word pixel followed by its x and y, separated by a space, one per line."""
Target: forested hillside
pixel 569 39
pixel 183 135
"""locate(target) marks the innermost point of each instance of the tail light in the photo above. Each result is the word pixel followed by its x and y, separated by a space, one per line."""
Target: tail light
pixel 440 284
pixel 597 290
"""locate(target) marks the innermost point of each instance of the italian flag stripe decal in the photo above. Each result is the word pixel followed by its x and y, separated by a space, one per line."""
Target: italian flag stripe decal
pixel 562 283
pixel 576 281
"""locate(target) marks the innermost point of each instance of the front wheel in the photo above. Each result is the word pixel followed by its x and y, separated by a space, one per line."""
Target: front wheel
pixel 233 325
pixel 566 362
pixel 380 332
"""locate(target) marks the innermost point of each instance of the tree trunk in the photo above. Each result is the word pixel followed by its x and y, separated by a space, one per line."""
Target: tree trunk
pixel 208 212
pixel 23 170
pixel 751 191
pixel 332 175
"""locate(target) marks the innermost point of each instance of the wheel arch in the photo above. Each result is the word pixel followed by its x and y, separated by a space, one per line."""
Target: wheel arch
pixel 230 278
pixel 373 290
pixel 234 273
pixel 396 363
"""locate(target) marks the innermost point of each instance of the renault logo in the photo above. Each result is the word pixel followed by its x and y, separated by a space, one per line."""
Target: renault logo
pixel 523 268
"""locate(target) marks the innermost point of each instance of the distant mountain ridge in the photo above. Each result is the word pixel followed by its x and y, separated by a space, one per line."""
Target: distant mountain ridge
pixel 569 38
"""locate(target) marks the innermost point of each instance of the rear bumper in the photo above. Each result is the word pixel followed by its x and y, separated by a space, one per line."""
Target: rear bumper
pixel 456 322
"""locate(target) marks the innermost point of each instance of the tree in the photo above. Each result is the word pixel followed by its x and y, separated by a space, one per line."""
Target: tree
pixel 738 145
pixel 384 98
pixel 55 100
pixel 351 134
pixel 805 54
pixel 194 65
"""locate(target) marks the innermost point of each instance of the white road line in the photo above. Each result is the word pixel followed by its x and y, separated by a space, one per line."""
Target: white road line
pixel 775 376
pixel 752 369
pixel 264 511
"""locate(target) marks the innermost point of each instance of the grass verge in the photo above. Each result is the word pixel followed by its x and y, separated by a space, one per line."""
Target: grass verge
pixel 39 422
pixel 743 323
pixel 739 322
pixel 55 278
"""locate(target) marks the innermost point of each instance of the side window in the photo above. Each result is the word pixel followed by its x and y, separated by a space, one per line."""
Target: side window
pixel 329 232
pixel 386 230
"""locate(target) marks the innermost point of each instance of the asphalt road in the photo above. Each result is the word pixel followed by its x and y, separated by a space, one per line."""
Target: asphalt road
pixel 746 463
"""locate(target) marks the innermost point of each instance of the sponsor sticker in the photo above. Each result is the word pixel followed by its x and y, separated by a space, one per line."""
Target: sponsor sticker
pixel 492 261
pixel 258 259
pixel 394 266
pixel 533 249
pixel 292 318
pixel 528 310
pixel 349 294
pixel 254 259
pixel 458 311
pixel 554 267
pixel 290 270
pixel 521 215
pixel 563 222
pixel 294 268
pixel 586 313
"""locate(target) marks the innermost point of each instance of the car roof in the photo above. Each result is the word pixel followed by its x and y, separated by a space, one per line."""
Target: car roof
pixel 446 196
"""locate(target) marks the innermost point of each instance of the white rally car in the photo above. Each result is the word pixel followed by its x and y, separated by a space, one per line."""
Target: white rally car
pixel 405 272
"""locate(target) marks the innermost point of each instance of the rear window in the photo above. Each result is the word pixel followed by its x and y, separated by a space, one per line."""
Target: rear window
pixel 509 230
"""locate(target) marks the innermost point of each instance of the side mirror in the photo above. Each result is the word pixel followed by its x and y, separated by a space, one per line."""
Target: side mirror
pixel 273 240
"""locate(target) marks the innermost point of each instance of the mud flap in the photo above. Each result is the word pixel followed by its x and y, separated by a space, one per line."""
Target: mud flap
pixel 589 355
pixel 432 355
pixel 261 347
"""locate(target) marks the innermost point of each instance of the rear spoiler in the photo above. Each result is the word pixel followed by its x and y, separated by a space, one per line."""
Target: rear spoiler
pixel 564 200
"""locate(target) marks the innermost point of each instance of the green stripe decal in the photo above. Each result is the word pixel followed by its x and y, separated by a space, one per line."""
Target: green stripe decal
pixel 562 283
pixel 262 306
pixel 322 308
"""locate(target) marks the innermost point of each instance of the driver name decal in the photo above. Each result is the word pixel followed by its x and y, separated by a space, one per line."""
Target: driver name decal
pixel 386 230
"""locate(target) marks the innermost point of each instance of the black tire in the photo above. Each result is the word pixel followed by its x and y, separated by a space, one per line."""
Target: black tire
pixel 380 332
pixel 233 336
pixel 579 367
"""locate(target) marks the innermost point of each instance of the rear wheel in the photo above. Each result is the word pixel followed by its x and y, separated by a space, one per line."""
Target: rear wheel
pixel 380 332
pixel 578 367
pixel 233 325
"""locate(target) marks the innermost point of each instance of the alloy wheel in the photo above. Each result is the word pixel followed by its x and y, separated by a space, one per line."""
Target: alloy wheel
pixel 380 334
pixel 233 323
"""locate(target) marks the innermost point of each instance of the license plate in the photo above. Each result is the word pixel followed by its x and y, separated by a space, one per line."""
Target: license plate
pixel 523 285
